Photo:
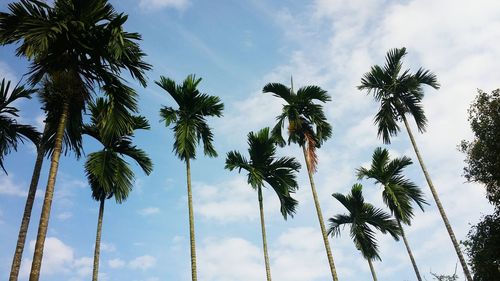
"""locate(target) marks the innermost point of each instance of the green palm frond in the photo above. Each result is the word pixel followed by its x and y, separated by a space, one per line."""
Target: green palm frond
pixel 54 90
pixel 11 132
pixel 362 217
pixel 399 92
pixel 263 167
pixel 189 120
pixel 307 123
pixel 76 35
pixel 108 173
pixel 399 193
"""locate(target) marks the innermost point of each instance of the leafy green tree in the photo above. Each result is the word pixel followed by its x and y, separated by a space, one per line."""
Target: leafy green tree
pixel 399 193
pixel 190 128
pixel 50 94
pixel 483 248
pixel 361 217
pixel 11 132
pixel 307 127
pixel 107 170
pixel 400 93
pixel 483 152
pixel 80 39
pixel 263 167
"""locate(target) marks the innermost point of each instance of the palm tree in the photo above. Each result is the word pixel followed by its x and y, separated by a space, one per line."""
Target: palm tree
pixel 263 167
pixel 307 126
pixel 400 93
pixel 398 193
pixel 83 40
pixel 12 133
pixel 107 171
pixel 50 95
pixel 361 216
pixel 190 127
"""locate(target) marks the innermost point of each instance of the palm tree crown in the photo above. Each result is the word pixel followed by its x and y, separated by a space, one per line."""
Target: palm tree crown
pixel 399 93
pixel 85 36
pixel 12 133
pixel 399 192
pixel 263 167
pixel 361 216
pixel 190 118
pixel 107 171
pixel 307 124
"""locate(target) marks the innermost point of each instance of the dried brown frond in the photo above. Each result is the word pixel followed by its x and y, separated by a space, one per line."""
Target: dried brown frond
pixel 312 157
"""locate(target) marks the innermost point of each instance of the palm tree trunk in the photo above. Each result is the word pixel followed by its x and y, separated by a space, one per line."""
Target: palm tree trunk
pixel 438 202
pixel 372 269
pixel 409 251
pixel 49 194
pixel 28 207
pixel 97 249
pixel 320 218
pixel 194 276
pixel 264 240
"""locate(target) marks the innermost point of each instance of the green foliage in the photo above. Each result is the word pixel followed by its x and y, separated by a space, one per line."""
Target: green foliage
pixel 189 120
pixel 264 167
pixel 361 216
pixel 399 192
pixel 82 36
pixel 399 93
pixel 107 171
pixel 483 152
pixel 12 133
pixel 307 124
pixel 483 248
pixel 54 90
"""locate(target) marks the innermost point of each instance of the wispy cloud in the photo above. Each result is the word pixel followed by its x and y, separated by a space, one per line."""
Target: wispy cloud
pixel 142 262
pixel 149 211
pixel 152 5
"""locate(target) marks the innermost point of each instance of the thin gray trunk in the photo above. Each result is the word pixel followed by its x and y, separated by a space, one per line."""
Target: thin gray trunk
pixel 409 251
pixel 320 219
pixel 97 249
pixel 264 240
pixel 438 202
pixel 191 222
pixel 49 194
pixel 372 269
pixel 28 207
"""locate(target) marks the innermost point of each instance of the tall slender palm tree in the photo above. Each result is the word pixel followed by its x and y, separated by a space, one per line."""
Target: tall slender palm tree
pixel 400 93
pixel 11 132
pixel 308 127
pixel 361 216
pixel 399 193
pixel 79 38
pixel 107 171
pixel 190 128
pixel 263 167
pixel 50 94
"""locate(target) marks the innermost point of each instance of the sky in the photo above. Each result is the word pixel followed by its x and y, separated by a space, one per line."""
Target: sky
pixel 237 47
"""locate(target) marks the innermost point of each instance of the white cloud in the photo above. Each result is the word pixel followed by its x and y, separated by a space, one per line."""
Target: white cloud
pixel 149 211
pixel 108 247
pixel 64 216
pixel 58 258
pixel 142 262
pixel 226 202
pixel 151 5
pixel 220 261
pixel 9 187
pixel 116 263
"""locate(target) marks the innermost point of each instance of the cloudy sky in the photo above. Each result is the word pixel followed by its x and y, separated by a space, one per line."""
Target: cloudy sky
pixel 237 47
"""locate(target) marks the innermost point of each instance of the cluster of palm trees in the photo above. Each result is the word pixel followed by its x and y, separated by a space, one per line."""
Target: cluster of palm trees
pixel 77 51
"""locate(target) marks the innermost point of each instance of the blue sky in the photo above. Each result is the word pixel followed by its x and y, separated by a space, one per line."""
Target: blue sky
pixel 237 47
